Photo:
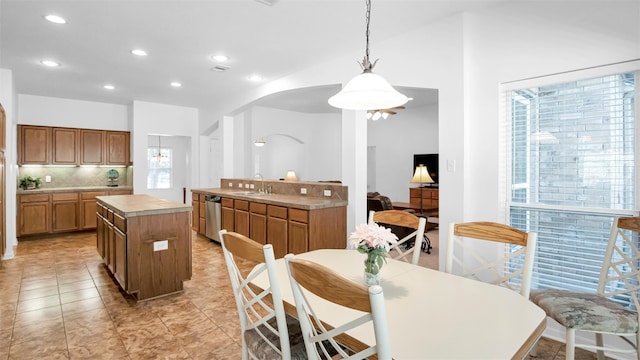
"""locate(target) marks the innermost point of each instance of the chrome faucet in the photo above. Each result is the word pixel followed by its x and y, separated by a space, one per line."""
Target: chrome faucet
pixel 258 175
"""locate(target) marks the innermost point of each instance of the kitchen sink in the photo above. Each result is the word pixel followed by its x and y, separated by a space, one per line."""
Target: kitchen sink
pixel 249 193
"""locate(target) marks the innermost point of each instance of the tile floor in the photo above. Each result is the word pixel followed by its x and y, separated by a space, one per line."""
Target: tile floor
pixel 57 301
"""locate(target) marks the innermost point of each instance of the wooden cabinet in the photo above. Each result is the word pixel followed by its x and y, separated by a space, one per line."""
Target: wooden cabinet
pixel 118 147
pixel 65 210
pixel 227 217
pixel 195 213
pixel 64 146
pixel 241 216
pixel 202 214
pixel 277 233
pixel 148 251
pixel 429 197
pixel 34 145
pixel 35 214
pixel 298 231
pixel 88 209
pixel 258 222
pixel 91 147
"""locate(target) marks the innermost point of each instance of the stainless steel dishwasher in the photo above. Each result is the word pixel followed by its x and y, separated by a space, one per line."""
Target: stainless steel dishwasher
pixel 213 209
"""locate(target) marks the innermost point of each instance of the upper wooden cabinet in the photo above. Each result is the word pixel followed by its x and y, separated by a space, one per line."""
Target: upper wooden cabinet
pixel 65 146
pixel 117 147
pixel 34 144
pixel 69 146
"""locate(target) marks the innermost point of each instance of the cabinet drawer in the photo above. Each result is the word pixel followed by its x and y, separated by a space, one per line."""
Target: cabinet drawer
pixel 34 198
pixel 110 216
pixel 277 212
pixel 241 205
pixel 227 203
pixel 299 215
pixel 64 196
pixel 258 208
pixel 91 194
pixel 120 222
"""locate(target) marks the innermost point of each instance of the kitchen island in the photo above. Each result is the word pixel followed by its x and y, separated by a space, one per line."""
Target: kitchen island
pixel 145 242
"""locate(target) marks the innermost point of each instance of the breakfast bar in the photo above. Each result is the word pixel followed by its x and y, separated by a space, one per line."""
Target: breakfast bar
pixel 145 242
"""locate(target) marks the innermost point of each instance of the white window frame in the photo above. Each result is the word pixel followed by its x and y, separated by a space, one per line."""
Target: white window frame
pixel 169 153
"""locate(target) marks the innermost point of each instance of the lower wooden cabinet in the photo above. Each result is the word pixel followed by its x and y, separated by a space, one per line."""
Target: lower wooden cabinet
pixel 258 222
pixel 35 214
pixel 57 212
pixel 241 217
pixel 277 231
pixel 66 212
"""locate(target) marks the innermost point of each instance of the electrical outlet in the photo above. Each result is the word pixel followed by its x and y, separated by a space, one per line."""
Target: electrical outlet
pixel 240 186
pixel 230 184
pixel 327 193
pixel 47 178
pixel 160 245
pixel 252 186
pixel 303 191
pixel 246 186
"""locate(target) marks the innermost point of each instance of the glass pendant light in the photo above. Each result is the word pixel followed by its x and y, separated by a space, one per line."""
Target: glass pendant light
pixel 368 90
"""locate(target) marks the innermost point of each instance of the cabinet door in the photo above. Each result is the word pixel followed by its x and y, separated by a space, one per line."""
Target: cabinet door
pixel 35 218
pixel 258 228
pixel 227 219
pixel 107 229
pixel 91 147
pixel 118 147
pixel 34 143
pixel 298 237
pixel 195 213
pixel 100 236
pixel 65 215
pixel 65 146
pixel 88 208
pixel 120 254
pixel 241 218
pixel 278 236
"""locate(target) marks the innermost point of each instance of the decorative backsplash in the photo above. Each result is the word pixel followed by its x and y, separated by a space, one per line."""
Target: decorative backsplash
pixel 282 187
pixel 74 176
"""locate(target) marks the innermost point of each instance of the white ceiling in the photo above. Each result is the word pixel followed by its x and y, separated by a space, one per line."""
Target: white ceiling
pixel 273 41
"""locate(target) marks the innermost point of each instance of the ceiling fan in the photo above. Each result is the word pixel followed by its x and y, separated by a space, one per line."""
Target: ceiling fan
pixel 382 113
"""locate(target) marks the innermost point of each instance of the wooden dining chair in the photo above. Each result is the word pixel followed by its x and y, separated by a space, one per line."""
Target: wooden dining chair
pixel 613 309
pixel 267 332
pixel 310 280
pixel 409 246
pixel 511 267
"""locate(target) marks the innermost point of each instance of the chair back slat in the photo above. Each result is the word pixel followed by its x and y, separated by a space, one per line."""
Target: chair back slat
pixel 514 262
pixel 402 250
pixel 323 341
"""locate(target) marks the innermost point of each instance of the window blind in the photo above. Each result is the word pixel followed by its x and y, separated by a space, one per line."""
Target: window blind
pixel 570 170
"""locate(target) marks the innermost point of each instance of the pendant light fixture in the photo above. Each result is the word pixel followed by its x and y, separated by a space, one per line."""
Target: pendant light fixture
pixel 368 90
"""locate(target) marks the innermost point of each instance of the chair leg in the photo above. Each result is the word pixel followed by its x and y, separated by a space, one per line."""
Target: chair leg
pixel 570 347
pixel 638 344
pixel 534 350
pixel 426 244
pixel 599 342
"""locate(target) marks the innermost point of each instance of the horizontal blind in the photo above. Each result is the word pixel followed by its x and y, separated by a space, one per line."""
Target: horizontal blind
pixel 571 170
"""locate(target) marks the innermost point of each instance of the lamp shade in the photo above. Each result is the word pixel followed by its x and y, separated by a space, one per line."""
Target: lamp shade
pixel 367 91
pixel 259 142
pixel 291 176
pixel 421 175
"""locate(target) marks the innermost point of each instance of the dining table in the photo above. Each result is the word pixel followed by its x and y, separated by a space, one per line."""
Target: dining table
pixel 430 314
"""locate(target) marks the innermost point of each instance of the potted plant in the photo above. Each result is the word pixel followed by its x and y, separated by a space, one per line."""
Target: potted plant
pixel 30 182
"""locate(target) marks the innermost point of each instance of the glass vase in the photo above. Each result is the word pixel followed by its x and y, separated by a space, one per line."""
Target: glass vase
pixel 371 279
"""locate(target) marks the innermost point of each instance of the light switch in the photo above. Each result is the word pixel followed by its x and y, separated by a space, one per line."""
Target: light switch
pixel 327 193
pixel 303 191
pixel 160 245
pixel 47 178
pixel 451 165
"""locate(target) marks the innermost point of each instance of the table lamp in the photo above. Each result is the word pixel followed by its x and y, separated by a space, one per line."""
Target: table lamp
pixel 291 176
pixel 421 176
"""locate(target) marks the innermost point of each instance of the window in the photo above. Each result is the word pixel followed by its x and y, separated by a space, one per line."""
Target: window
pixel 159 162
pixel 569 169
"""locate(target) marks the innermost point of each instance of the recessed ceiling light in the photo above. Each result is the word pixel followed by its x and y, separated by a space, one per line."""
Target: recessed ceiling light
pixel 176 84
pixel 255 78
pixel 109 87
pixel 139 52
pixel 55 19
pixel 220 58
pixel 49 63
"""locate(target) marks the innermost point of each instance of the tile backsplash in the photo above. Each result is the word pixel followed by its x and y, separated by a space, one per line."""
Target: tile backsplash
pixel 75 176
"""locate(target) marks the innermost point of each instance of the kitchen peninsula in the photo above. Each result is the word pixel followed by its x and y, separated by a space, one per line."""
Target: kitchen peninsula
pixel 145 242
pixel 293 216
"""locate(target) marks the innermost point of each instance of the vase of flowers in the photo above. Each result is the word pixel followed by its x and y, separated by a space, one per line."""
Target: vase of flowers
pixel 372 240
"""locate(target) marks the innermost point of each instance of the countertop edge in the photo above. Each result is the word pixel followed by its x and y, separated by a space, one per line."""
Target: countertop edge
pixel 292 201
pixel 74 189
pixel 118 204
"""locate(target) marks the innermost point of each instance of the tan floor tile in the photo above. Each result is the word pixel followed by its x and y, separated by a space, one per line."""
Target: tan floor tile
pixel 170 349
pixel 39 283
pixel 200 343
pixel 48 330
pixel 39 349
pixel 87 322
pixel 82 305
pixel 99 345
pixel 38 303
pixel 38 293
pixel 37 316
pixel 80 294
pixel 76 285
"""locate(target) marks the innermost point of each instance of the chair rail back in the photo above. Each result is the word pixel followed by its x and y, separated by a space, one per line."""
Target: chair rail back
pixel 400 250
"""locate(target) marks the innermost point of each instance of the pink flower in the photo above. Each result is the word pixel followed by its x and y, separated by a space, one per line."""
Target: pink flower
pixel 373 236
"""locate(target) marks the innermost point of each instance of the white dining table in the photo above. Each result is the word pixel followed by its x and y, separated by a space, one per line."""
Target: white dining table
pixel 430 314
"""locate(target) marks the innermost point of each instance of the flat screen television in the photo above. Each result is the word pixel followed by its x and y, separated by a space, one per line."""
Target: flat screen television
pixel 431 162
